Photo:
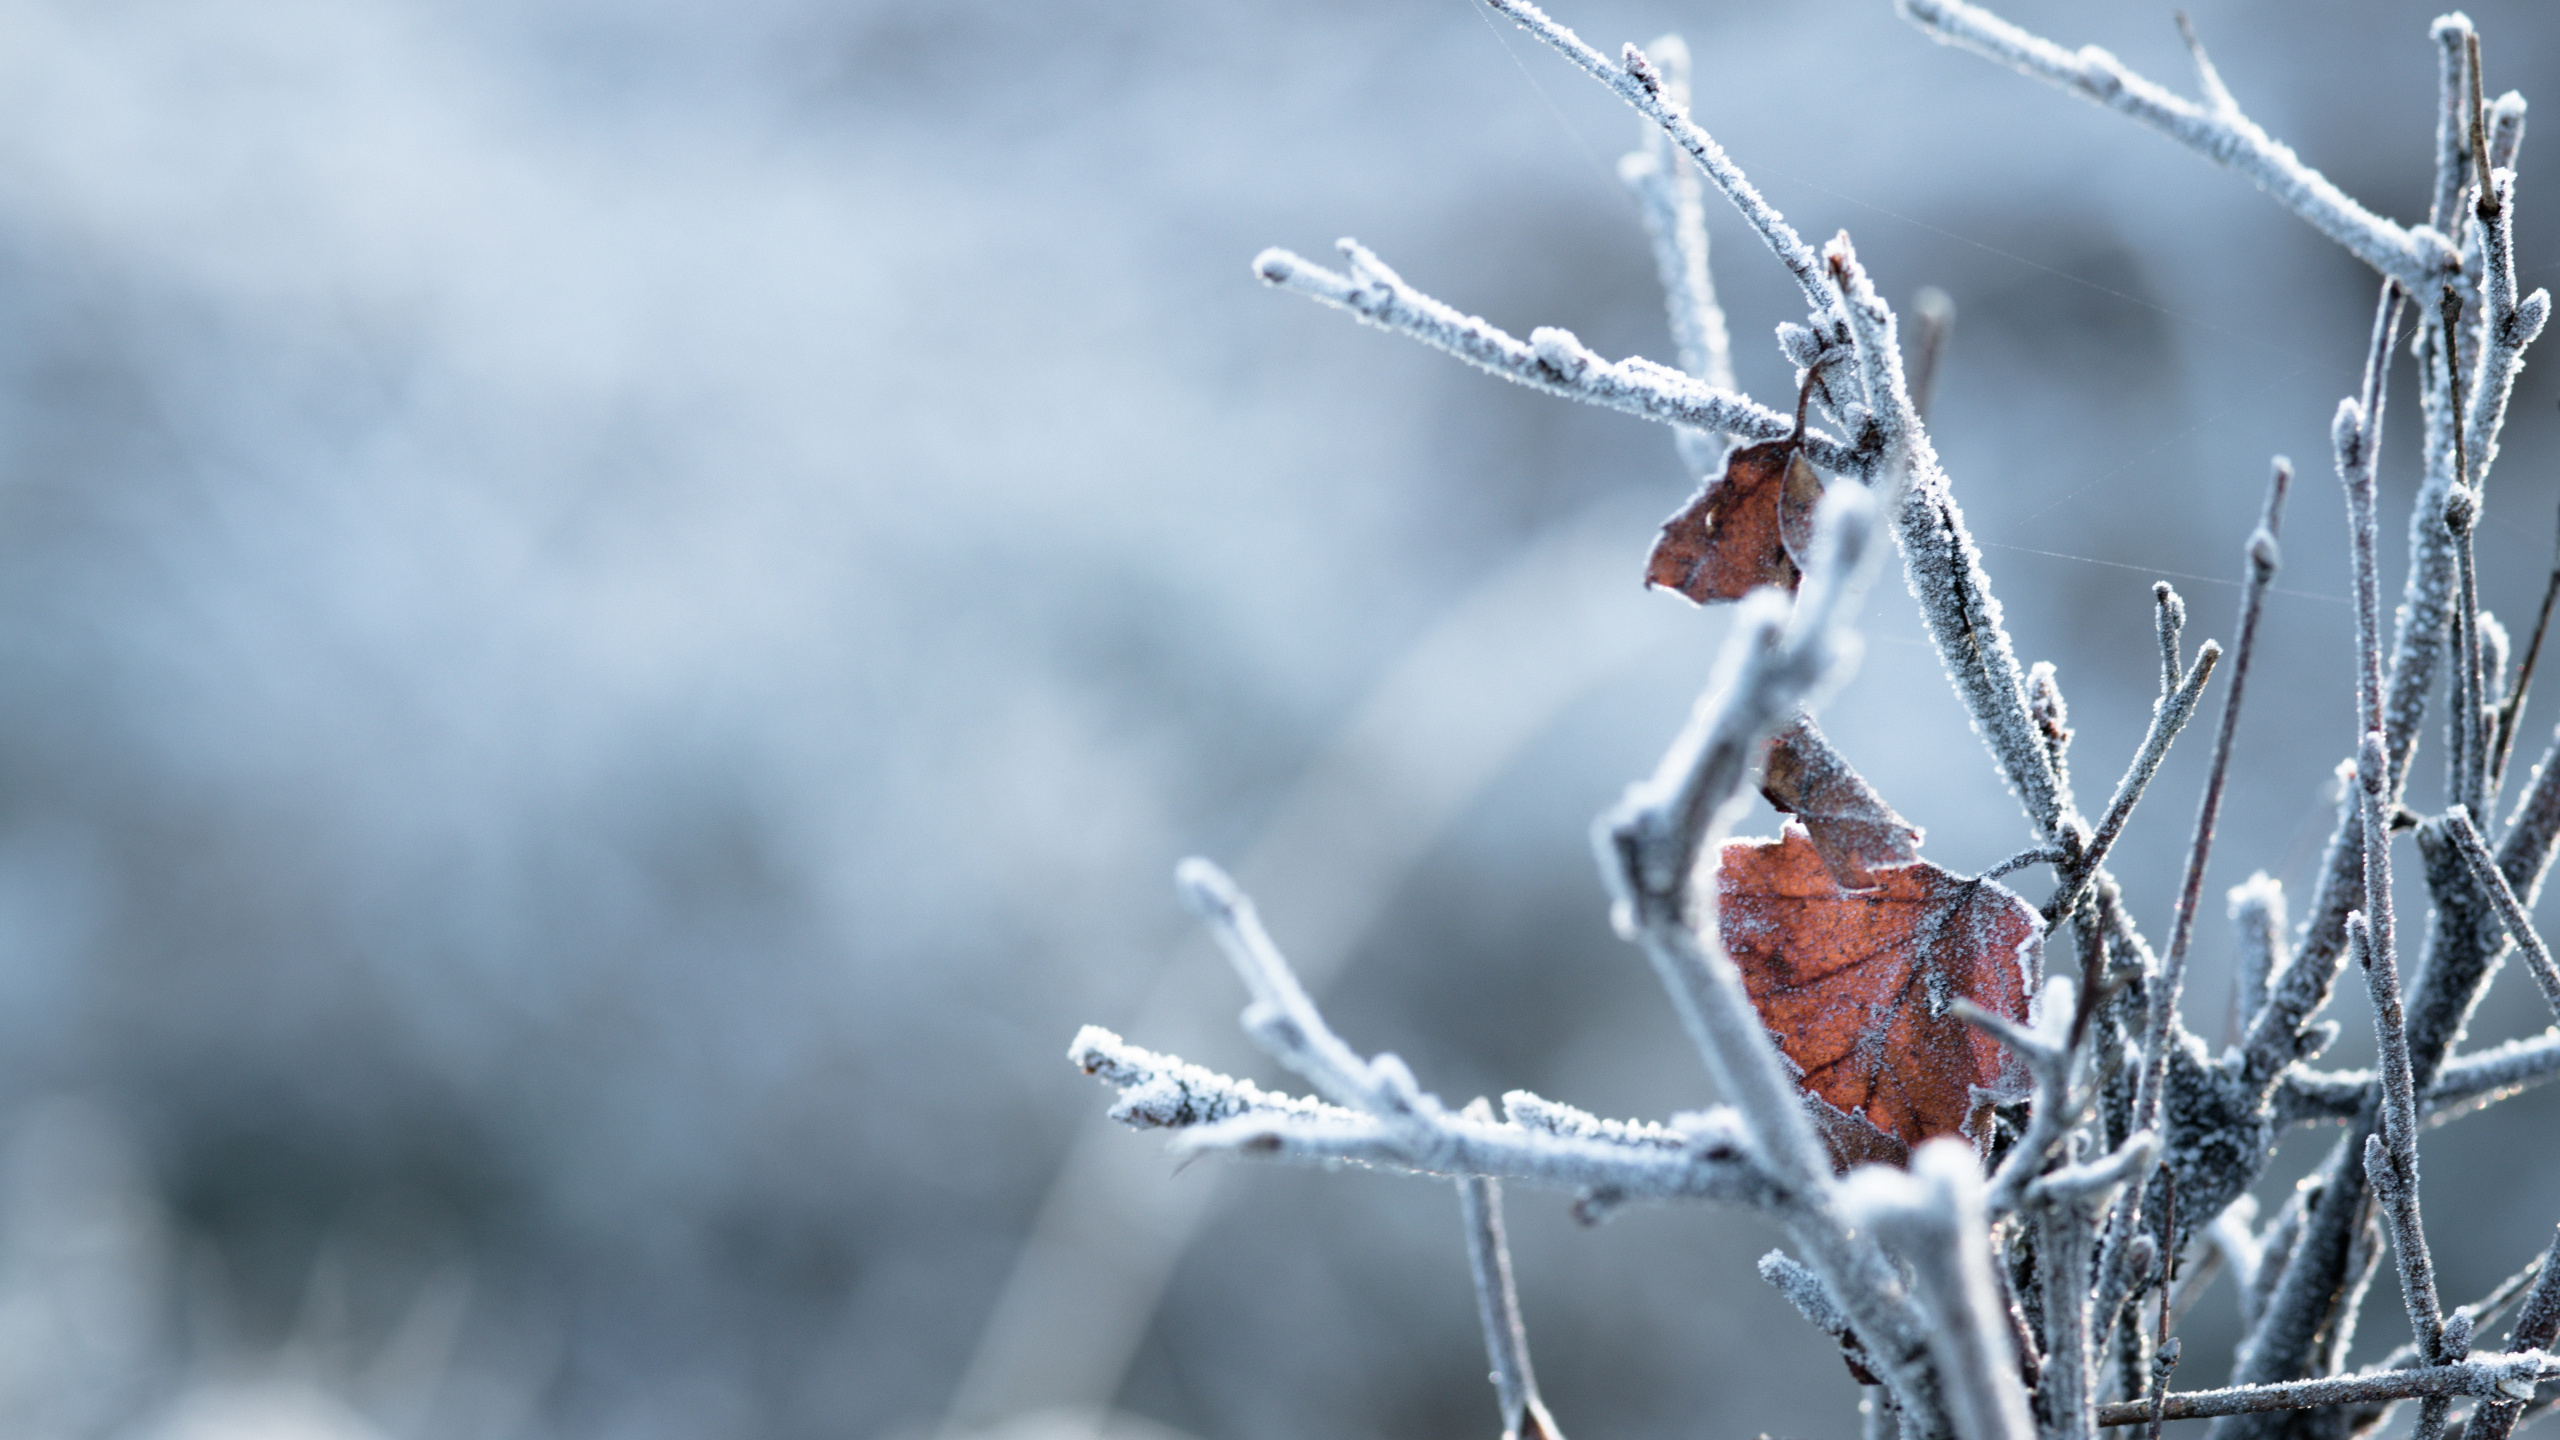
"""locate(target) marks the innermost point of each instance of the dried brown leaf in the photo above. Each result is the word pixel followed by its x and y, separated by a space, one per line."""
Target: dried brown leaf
pixel 1851 826
pixel 1858 987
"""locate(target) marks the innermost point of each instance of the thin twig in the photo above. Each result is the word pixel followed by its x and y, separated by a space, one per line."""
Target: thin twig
pixel 2502 898
pixel 2391 1156
pixel 2169 716
pixel 1506 1340
pixel 1550 360
pixel 1707 1159
pixel 1934 1220
pixel 2511 708
pixel 1671 198
pixel 2311 1095
pixel 2537 1325
pixel 2217 97
pixel 2468 721
pixel 1941 564
pixel 2263 558
pixel 2498 1376
pixel 1936 317
pixel 1639 83
pixel 2416 258
pixel 2452 35
pixel 2508 323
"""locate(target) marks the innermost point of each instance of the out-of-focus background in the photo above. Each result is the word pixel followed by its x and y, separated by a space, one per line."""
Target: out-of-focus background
pixel 612 617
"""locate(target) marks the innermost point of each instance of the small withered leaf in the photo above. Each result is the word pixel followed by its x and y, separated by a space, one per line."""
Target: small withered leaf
pixel 1748 527
pixel 1728 540
pixel 1851 826
pixel 1858 987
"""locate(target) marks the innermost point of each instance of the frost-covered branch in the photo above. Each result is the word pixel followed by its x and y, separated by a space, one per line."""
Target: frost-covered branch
pixel 1506 1340
pixel 1551 360
pixel 2049 1053
pixel 1706 1159
pixel 2391 1155
pixel 2170 712
pixel 2484 870
pixel 2417 258
pixel 1652 843
pixel 1641 84
pixel 1672 199
pixel 2497 1377
pixel 2497 1072
pixel 2508 324
pixel 1941 563
pixel 1933 1219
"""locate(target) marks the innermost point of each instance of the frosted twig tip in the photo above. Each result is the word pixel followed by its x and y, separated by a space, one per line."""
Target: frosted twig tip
pixel 1275 265
pixel 1207 890
pixel 2346 431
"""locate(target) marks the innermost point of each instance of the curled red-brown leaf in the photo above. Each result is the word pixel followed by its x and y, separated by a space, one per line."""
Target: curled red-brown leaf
pixel 1851 826
pixel 1749 527
pixel 1858 986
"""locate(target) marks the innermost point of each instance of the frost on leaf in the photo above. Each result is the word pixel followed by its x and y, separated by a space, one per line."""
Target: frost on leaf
pixel 1749 527
pixel 1858 987
pixel 1851 826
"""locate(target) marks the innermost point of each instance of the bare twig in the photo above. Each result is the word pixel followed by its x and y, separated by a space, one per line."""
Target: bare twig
pixel 1936 317
pixel 1550 360
pixel 1707 1159
pixel 2501 1376
pixel 2169 619
pixel 1934 1220
pixel 2508 323
pixel 1671 198
pixel 2501 1070
pixel 2452 34
pixel 2217 98
pixel 2169 715
pixel 2356 438
pixel 2511 708
pixel 2391 1156
pixel 1506 1340
pixel 2257 925
pixel 2263 560
pixel 1640 84
pixel 2048 1053
pixel 1942 566
pixel 2469 719
pixel 2510 910
pixel 2417 258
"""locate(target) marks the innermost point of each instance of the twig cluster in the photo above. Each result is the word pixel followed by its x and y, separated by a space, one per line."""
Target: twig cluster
pixel 2027 1284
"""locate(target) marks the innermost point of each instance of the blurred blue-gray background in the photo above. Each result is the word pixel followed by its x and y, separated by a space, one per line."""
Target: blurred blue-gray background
pixel 612 617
